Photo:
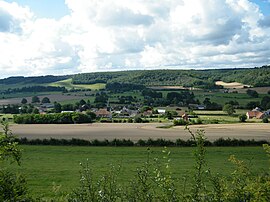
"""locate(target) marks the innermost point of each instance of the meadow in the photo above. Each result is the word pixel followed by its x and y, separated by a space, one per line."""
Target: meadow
pixel 54 170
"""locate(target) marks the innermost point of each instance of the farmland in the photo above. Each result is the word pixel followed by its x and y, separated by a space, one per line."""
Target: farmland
pixel 49 167
pixel 133 131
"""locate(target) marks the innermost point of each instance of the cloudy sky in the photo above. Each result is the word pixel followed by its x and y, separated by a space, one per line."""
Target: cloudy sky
pixel 40 37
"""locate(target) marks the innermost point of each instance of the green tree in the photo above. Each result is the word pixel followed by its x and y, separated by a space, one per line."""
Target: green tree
pixel 252 93
pixel 12 186
pixel 45 100
pixel 82 102
pixel 242 118
pixel 35 99
pixel 24 101
pixel 57 107
pixel 229 109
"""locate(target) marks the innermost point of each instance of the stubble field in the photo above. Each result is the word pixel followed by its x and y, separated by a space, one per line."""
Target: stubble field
pixel 132 131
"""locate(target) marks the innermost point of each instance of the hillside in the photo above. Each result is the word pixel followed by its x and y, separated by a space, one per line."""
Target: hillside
pixel 257 77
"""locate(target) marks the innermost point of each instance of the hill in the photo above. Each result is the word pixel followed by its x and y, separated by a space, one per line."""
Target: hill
pixel 257 77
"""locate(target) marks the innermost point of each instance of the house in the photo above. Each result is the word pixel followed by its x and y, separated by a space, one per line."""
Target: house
pixel 254 114
pixel 161 111
pixel 267 113
pixel 257 109
pixel 103 113
pixel 185 116
pixel 148 113
pixel 201 107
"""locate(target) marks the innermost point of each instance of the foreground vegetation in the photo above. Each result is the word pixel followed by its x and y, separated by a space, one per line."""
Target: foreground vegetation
pixel 165 176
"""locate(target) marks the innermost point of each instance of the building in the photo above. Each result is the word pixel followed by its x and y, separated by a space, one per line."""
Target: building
pixel 254 114
pixel 103 113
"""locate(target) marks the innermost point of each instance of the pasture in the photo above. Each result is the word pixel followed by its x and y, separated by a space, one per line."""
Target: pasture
pixel 69 85
pixel 49 168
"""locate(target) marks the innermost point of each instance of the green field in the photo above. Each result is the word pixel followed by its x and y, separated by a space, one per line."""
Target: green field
pixel 68 84
pixel 46 166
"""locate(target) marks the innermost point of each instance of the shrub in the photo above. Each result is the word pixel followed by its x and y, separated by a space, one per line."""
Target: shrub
pixel 265 120
pixel 242 118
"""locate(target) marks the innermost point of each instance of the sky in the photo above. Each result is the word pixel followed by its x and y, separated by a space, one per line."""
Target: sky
pixel 59 37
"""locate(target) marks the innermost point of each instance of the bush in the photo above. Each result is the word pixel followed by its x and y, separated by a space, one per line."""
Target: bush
pixel 242 118
pixel 180 122
pixel 265 120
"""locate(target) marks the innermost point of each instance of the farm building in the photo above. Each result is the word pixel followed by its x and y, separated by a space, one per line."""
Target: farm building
pixel 103 113
pixel 255 114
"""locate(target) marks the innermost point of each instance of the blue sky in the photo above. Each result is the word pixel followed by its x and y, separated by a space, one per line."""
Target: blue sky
pixel 39 37
pixel 45 8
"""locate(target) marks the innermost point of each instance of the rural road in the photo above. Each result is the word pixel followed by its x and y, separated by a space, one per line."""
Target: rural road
pixel 101 131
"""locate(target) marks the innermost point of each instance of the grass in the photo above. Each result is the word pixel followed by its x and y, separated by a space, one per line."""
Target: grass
pixel 46 166
pixel 68 84
pixel 222 98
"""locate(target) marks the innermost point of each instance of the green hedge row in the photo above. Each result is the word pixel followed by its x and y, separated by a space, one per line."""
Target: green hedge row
pixel 150 142
pixel 57 118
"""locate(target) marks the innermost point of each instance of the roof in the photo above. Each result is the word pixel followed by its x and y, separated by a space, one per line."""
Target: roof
pixel 103 112
pixel 255 114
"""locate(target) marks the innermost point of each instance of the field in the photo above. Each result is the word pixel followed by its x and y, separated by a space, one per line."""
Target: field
pixel 67 84
pixel 233 85
pixel 133 131
pixel 53 97
pixel 48 166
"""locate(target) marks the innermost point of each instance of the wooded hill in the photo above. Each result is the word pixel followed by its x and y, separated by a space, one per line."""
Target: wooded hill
pixel 257 77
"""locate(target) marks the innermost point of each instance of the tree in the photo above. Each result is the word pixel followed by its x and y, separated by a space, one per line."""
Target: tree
pixel 57 107
pixel 12 185
pixel 252 93
pixel 45 100
pixel 252 105
pixel 242 118
pixel 35 99
pixel 82 102
pixel 24 101
pixel 265 101
pixel 229 109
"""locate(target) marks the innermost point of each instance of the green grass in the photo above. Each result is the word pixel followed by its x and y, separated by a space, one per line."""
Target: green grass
pixel 222 98
pixel 68 84
pixel 48 165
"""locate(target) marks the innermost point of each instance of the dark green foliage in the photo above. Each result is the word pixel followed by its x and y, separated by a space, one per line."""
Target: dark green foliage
pixel 150 142
pixel 151 93
pixel 252 105
pixel 211 105
pixel 265 120
pixel 57 118
pixel 183 98
pixel 35 89
pixel 123 87
pixel 12 186
pixel 10 109
pixel 35 79
pixel 252 93
pixel 57 107
pixel 265 102
pixel 45 100
pixel 242 118
pixel 229 109
pixel 24 101
pixel 35 99
pixel 189 78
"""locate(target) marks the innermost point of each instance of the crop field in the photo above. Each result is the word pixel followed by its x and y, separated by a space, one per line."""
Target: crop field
pixel 233 85
pixel 48 167
pixel 136 131
pixel 67 84
pixel 53 97
pixel 222 98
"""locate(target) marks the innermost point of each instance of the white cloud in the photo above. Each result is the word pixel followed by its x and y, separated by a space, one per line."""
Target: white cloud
pixel 103 35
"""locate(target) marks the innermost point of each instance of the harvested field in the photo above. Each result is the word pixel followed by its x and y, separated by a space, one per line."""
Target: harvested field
pixel 101 131
pixel 261 90
pixel 234 85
